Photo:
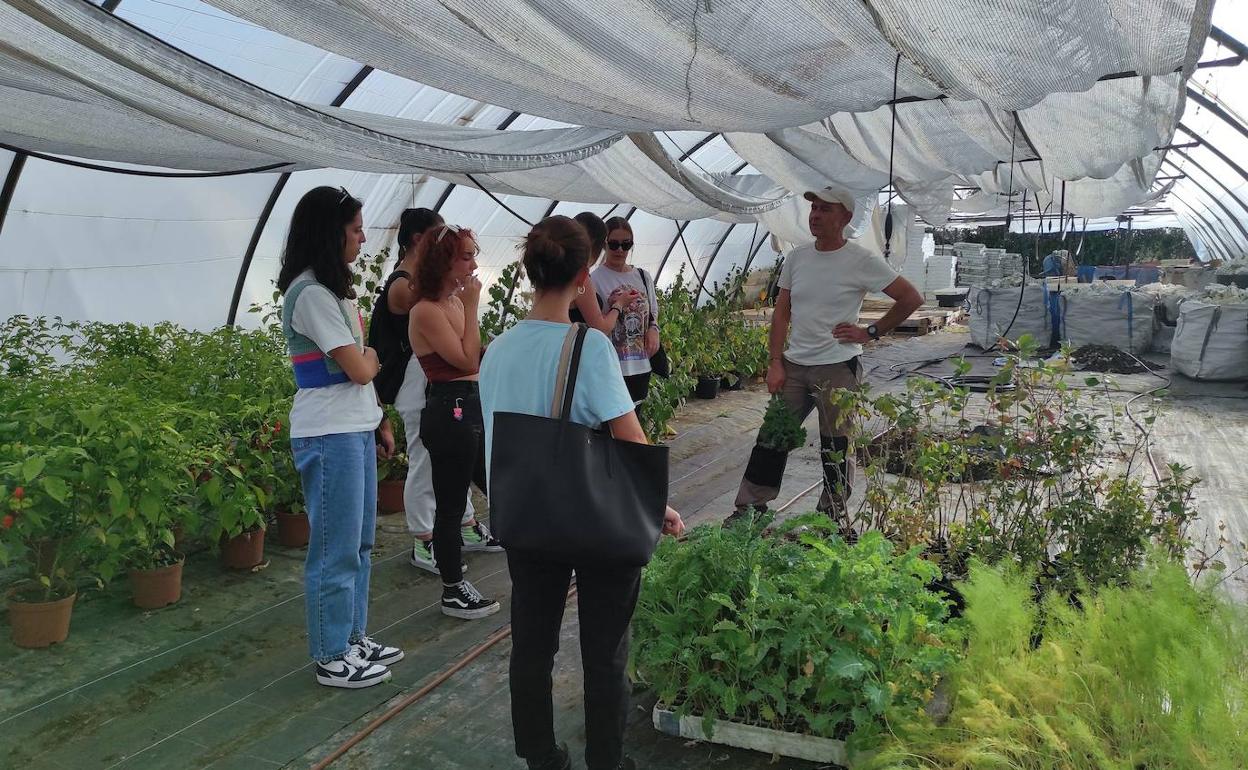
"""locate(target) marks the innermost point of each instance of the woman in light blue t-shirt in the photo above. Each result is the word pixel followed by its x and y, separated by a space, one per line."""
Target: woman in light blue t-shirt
pixel 518 375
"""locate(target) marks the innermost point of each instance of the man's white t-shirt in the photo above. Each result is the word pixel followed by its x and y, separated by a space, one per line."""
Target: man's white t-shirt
pixel 344 407
pixel 827 289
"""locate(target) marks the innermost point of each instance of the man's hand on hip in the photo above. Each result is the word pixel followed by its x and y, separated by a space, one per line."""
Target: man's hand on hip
pixel 851 333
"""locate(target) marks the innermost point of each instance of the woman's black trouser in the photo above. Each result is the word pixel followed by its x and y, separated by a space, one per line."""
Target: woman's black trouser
pixel 456 447
pixel 606 598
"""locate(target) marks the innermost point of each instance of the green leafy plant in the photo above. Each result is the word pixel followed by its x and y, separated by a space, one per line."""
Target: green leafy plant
pixel 813 636
pixel 506 305
pixel 711 339
pixel 782 430
pixel 1146 675
pixel 394 468
pixel 1041 476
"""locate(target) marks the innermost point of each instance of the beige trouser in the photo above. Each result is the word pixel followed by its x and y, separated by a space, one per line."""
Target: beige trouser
pixel 806 388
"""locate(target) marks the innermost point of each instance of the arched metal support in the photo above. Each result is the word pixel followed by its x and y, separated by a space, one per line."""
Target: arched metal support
pixel 10 185
pixel 680 230
pixel 256 232
pixel 1217 110
pixel 1208 194
pixel 1243 173
pixel 1212 176
pixel 1214 241
pixel 1200 196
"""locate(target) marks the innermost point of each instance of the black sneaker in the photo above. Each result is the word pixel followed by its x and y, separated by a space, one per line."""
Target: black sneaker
pixel 370 651
pixel 462 600
pixel 351 671
pixel 559 759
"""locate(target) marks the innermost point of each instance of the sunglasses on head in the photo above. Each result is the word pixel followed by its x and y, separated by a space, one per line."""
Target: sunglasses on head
pixel 344 196
pixel 619 245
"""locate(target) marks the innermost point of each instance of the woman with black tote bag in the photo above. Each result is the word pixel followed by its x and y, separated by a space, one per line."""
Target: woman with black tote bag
pixel 531 371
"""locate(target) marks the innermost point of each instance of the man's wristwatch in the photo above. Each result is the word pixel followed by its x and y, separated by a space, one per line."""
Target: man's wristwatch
pixel 873 331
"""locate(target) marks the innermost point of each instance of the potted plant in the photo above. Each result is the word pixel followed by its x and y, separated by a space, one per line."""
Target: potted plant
pixel 154 498
pixel 392 471
pixel 235 503
pixel 41 532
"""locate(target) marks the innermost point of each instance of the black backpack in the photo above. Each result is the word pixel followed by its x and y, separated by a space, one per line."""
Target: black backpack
pixel 387 334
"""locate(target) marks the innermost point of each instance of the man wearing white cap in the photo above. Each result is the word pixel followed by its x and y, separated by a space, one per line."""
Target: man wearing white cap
pixel 822 286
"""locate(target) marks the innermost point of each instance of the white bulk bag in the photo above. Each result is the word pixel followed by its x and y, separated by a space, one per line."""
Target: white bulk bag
pixel 992 309
pixel 1124 320
pixel 1211 341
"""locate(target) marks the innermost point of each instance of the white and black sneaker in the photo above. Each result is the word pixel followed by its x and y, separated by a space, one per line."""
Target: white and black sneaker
pixel 463 600
pixel 351 671
pixel 477 537
pixel 371 652
pixel 423 558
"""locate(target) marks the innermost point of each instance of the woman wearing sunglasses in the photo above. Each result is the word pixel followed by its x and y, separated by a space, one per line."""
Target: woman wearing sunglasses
pixel 586 307
pixel 636 332
pixel 447 342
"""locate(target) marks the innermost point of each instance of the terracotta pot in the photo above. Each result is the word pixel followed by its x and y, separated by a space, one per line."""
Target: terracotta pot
pixel 156 588
pixel 292 529
pixel 390 496
pixel 40 624
pixel 244 551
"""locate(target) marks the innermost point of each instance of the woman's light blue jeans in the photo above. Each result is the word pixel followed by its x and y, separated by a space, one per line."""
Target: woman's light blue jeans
pixel 339 473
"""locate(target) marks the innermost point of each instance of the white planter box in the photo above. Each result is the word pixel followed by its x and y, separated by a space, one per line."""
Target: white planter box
pixel 762 739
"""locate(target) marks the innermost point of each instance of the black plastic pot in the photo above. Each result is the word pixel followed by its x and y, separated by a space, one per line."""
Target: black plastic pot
pixel 766 466
pixel 731 381
pixel 1225 280
pixel 951 297
pixel 708 387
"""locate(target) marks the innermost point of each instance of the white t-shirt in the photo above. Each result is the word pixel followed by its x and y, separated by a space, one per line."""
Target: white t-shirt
pixel 827 289
pixel 345 407
pixel 629 335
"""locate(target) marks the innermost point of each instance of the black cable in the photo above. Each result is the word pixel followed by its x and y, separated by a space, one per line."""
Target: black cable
pixel 892 145
pixel 139 172
pixel 494 197
pixel 1022 287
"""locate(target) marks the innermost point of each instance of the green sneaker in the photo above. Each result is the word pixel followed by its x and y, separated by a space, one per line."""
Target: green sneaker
pixel 478 538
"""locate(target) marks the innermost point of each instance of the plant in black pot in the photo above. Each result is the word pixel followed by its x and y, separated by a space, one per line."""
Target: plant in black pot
pixel 782 432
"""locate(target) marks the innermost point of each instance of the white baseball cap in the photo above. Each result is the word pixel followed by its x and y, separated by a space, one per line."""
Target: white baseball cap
pixel 831 195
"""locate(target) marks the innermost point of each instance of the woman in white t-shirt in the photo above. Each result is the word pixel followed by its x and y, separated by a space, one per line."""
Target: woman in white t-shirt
pixel 336 431
pixel 636 333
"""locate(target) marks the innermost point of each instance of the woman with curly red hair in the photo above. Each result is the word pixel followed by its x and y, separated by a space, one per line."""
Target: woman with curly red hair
pixel 446 340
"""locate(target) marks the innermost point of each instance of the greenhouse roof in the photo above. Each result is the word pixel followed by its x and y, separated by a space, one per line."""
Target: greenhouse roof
pixel 691 118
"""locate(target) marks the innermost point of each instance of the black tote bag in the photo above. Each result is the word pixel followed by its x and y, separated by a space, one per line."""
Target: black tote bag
pixel 571 493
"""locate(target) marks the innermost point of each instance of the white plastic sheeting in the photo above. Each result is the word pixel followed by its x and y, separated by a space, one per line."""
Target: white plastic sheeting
pixel 747 76
pixel 742 64
pixel 63 53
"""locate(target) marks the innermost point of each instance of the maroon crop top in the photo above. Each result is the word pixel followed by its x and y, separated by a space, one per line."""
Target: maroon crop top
pixel 438 370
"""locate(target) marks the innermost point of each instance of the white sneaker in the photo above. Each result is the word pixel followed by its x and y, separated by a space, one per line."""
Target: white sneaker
pixel 351 672
pixel 370 651
pixel 477 537
pixel 423 558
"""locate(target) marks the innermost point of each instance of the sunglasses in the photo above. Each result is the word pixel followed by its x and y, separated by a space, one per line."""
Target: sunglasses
pixel 619 245
pixel 345 195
